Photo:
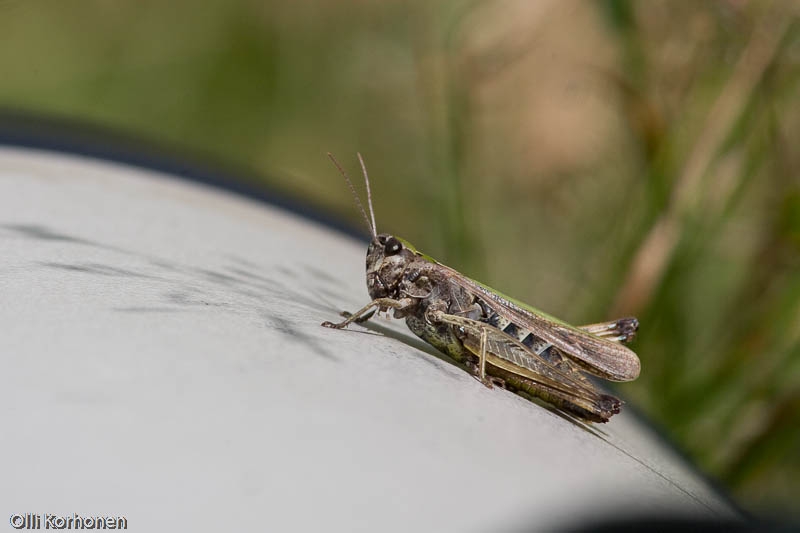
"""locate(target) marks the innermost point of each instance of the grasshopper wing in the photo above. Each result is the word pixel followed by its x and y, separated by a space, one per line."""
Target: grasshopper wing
pixel 594 354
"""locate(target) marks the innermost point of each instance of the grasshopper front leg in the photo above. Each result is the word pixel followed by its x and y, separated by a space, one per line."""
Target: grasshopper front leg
pixel 366 312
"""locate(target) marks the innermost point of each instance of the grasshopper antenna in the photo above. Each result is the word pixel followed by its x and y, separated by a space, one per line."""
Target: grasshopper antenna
pixel 369 193
pixel 372 230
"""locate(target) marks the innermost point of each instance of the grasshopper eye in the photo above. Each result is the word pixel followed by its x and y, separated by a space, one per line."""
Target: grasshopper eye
pixel 392 246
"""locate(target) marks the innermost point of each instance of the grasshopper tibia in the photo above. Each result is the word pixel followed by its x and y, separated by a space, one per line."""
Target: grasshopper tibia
pixel 363 318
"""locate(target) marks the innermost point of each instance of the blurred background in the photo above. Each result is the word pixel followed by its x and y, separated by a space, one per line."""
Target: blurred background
pixel 596 159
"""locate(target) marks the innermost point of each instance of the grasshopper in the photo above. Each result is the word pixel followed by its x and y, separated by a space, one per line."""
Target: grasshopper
pixel 498 339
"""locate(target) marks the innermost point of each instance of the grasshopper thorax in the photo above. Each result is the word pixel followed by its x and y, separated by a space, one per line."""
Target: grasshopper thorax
pixel 388 261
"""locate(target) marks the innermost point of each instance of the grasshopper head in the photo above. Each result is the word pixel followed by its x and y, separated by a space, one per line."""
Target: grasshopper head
pixel 387 260
pixel 387 256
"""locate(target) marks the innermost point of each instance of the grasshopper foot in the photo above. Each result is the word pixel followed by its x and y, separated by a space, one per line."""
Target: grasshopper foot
pixel 489 381
pixel 497 382
pixel 342 324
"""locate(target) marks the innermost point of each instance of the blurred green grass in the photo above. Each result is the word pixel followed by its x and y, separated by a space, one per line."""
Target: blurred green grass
pixel 592 158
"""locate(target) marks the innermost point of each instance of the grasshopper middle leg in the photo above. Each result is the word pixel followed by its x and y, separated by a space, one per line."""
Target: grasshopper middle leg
pixel 474 327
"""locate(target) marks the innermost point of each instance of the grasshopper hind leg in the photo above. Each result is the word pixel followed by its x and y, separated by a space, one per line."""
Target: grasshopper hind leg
pixel 600 409
pixel 621 330
pixel 527 372
pixel 489 381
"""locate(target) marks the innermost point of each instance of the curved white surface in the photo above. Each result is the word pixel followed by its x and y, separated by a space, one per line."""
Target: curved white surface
pixel 162 359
